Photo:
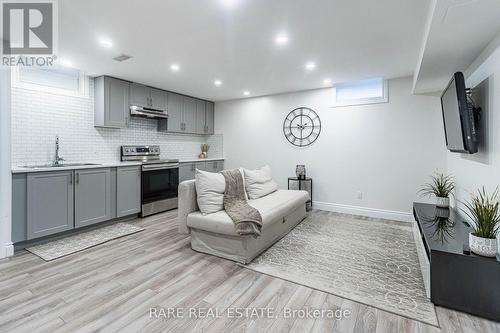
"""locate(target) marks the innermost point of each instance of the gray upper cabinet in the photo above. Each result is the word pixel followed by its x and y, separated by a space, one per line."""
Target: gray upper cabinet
pixel 139 95
pixel 111 102
pixel 50 203
pixel 201 117
pixel 92 196
pixel 158 99
pixel 189 117
pixel 128 191
pixel 175 110
pixel 209 118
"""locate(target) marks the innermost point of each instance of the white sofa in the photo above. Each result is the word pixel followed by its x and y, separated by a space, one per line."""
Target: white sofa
pixel 215 233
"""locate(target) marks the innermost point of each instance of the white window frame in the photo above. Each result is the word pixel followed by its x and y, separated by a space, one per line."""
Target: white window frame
pixel 82 92
pixel 362 101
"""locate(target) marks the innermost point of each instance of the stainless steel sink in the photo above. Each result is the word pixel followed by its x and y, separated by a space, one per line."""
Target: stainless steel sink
pixel 43 166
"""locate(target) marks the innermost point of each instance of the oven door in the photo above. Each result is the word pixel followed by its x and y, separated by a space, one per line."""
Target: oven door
pixel 159 182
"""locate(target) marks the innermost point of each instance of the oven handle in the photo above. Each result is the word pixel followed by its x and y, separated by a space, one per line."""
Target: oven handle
pixel 160 166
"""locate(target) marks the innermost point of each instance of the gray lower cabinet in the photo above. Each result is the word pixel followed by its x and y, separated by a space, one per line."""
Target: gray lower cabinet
pixel 186 171
pixel 49 203
pixel 215 166
pixel 111 102
pixel 92 196
pixel 128 191
pixel 201 166
pixel 19 207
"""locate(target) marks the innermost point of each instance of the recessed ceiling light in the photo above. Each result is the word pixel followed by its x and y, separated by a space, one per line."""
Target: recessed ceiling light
pixel 229 3
pixel 218 82
pixel 281 39
pixel 310 66
pixel 65 62
pixel 327 82
pixel 246 93
pixel 175 67
pixel 105 42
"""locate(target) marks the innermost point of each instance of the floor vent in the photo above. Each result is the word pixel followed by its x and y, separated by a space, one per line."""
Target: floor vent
pixel 122 57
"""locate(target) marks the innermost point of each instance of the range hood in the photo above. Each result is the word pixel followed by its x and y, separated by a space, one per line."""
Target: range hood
pixel 148 112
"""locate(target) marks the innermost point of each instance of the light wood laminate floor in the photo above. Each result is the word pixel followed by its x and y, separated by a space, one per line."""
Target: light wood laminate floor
pixel 113 286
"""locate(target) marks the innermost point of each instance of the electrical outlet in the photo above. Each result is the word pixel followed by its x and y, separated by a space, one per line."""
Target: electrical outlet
pixel 359 195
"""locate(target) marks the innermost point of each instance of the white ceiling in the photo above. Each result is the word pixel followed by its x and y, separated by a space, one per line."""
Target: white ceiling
pixel 348 40
pixel 457 33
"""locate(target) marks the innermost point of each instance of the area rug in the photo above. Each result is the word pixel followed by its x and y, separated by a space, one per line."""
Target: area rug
pixel 71 244
pixel 373 262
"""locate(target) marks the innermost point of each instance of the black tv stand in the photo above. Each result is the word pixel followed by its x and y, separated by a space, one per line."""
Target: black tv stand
pixel 459 279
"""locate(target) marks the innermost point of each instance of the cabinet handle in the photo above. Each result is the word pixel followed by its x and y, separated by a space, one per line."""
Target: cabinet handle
pixel 77 178
pixel 71 178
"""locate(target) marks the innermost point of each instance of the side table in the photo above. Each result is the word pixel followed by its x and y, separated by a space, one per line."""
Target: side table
pixel 305 184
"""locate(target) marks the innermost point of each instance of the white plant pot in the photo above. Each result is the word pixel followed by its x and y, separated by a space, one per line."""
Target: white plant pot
pixel 485 247
pixel 443 202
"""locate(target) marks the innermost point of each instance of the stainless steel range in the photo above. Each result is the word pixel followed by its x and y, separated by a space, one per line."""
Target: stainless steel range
pixel 160 178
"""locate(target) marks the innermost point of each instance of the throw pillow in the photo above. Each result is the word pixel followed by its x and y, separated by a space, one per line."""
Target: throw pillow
pixel 259 183
pixel 210 189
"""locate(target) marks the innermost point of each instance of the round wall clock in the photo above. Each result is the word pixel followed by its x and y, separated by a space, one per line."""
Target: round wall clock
pixel 302 127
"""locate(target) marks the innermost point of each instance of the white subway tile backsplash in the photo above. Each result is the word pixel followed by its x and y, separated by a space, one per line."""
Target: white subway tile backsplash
pixel 37 117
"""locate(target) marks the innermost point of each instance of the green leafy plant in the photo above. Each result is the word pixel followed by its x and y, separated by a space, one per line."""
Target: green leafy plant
pixel 482 209
pixel 441 186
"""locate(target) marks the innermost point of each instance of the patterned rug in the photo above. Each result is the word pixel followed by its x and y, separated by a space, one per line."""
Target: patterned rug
pixel 373 262
pixel 71 244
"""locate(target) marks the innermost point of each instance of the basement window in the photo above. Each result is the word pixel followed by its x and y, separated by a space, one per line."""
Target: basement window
pixel 57 80
pixel 362 92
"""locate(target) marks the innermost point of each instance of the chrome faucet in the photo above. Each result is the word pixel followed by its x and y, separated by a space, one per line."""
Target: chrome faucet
pixel 57 158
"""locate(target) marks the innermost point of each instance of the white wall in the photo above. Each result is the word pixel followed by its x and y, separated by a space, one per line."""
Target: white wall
pixel 6 248
pixel 38 116
pixel 386 151
pixel 482 169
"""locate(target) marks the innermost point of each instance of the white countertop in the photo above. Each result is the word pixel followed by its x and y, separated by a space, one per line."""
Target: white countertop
pixel 202 160
pixel 20 169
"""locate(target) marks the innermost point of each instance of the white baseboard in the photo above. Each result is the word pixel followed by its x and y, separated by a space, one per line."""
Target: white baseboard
pixel 364 211
pixel 7 251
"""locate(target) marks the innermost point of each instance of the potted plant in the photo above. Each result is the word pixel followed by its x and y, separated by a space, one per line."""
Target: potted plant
pixel 441 187
pixel 483 211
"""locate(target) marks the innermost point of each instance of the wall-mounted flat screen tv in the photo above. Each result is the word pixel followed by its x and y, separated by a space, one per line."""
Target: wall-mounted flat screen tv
pixel 458 117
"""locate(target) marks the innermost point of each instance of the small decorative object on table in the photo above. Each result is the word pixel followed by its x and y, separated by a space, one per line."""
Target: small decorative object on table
pixel 204 150
pixel 300 171
pixel 483 211
pixel 441 187
pixel 295 183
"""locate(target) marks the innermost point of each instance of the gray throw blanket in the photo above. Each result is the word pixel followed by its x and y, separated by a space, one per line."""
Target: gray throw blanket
pixel 247 219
